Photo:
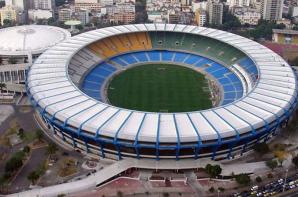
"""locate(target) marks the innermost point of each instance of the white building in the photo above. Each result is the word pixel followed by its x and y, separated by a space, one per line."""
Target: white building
pixel 294 11
pixel 215 12
pixel 83 16
pixel 65 14
pixel 40 14
pixel 241 3
pixel 271 9
pixel 199 5
pixel 44 4
pixel 249 17
pixel 20 4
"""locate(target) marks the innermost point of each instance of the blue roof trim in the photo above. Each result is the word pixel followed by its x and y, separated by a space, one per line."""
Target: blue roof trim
pixel 139 129
pixel 37 102
pixel 54 115
pixel 46 106
pixel 272 96
pixel 196 130
pixel 64 80
pixel 178 146
pixel 277 118
pixel 66 121
pixel 103 124
pixel 52 89
pixel 268 103
pixel 271 90
pixel 218 135
pixel 157 137
pixel 253 130
pixel 100 111
pixel 121 126
pixel 236 131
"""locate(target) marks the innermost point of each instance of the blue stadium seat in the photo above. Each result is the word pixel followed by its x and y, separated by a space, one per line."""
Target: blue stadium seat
pixel 141 56
pixel 119 61
pixel 128 58
pixel 167 56
pixel 191 59
pixel 180 57
pixel 154 55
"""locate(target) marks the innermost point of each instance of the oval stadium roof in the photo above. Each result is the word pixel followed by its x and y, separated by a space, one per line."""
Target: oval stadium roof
pixel 35 39
pixel 273 95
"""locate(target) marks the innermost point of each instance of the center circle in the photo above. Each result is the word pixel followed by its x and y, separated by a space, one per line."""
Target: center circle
pixel 159 88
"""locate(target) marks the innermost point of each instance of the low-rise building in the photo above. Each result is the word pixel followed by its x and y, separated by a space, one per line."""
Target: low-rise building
pixel 285 36
pixel 64 14
pixel 34 15
pixel 8 13
pixel 248 17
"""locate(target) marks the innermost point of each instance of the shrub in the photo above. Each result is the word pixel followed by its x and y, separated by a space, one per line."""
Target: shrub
pixel 242 179
pixel 258 179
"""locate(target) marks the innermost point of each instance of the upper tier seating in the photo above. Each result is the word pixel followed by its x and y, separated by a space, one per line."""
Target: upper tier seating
pixel 250 67
pixel 199 44
pixel 122 43
pixel 80 63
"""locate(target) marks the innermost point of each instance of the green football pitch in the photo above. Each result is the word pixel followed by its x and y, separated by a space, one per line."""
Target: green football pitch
pixel 160 88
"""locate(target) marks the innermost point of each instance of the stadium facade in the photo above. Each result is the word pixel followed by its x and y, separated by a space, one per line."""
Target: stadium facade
pixel 258 92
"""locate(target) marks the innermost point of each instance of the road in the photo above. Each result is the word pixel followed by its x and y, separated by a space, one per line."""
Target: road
pixel 21 182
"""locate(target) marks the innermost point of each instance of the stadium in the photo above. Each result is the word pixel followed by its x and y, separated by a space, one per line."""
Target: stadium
pixel 89 93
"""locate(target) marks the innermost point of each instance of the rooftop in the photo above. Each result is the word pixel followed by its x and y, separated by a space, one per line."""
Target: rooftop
pixel 35 39
pixel 285 31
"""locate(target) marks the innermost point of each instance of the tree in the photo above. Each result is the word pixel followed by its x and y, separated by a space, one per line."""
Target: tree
pixel 2 86
pixel 52 148
pixel 258 179
pixel 261 148
pixel 21 133
pixel 295 161
pixel 230 21
pixel 26 149
pixel 33 177
pixel 80 27
pixel 271 164
pixel 7 22
pixel 15 162
pixel 213 171
pixel 39 135
pixel 242 179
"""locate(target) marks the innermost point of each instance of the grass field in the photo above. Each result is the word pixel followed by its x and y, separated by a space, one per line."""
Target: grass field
pixel 160 88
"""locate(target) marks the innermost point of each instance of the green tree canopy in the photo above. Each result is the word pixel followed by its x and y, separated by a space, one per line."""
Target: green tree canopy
pixel 33 177
pixel 271 164
pixel 242 179
pixel 213 170
pixel 261 148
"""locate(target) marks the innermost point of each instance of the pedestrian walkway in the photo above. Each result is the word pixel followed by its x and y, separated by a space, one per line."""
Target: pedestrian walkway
pixel 110 171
